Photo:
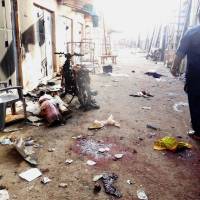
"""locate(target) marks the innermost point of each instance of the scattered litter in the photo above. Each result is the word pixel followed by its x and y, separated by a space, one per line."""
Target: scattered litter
pixel 30 174
pixel 91 162
pixel 63 185
pixel 68 162
pixel 97 188
pixel 25 152
pixel 5 141
pixel 177 106
pixel 37 146
pixel 108 180
pixel 129 182
pixel 153 74
pixel 96 125
pixel 170 143
pixel 142 94
pixel 103 150
pixel 91 147
pixel 118 75
pixel 100 124
pixel 152 127
pixel 33 107
pixel 51 149
pixel 115 81
pixel 7 130
pixel 77 137
pixel 45 180
pixel 29 142
pixel 141 194
pixel 119 156
pixel 4 195
pixel 133 71
pixel 151 135
pixel 97 177
pixel 34 119
pixel 146 108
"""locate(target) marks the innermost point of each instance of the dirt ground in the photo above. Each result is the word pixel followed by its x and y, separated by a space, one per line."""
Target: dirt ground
pixel 163 175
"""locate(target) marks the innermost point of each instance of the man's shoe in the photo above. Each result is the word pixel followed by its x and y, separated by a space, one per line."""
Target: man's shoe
pixel 194 135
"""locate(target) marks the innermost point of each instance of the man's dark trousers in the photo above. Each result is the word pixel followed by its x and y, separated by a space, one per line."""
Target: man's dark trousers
pixel 194 105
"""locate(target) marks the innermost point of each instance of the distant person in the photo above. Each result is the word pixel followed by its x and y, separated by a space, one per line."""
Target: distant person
pixel 190 47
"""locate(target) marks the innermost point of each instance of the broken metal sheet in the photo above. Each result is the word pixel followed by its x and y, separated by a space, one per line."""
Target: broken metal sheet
pixel 31 174
pixel 177 106
pixel 25 151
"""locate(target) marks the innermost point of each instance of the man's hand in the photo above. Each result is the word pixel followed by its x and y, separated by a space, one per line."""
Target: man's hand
pixel 175 68
pixel 174 71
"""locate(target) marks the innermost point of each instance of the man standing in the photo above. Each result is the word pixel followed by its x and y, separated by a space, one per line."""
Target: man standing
pixel 190 47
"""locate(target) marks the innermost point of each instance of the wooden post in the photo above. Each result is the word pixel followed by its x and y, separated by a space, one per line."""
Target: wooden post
pixel 18 42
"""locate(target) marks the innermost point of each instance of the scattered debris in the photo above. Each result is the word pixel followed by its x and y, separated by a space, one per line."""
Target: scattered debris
pixel 129 182
pixel 108 180
pixel 146 108
pixel 97 188
pixel 119 156
pixel 153 127
pixel 103 150
pixel 30 174
pixel 97 177
pixel 68 162
pixel 151 135
pixel 34 119
pixel 51 149
pixel 63 185
pixel 96 125
pixel 5 141
pixel 7 130
pixel 100 124
pixel 154 74
pixel 177 106
pixel 107 69
pixel 45 180
pixel 133 71
pixel 141 194
pixel 77 137
pixel 118 75
pixel 25 152
pixel 33 107
pixel 170 143
pixel 91 162
pixel 91 147
pixel 142 94
pixel 4 195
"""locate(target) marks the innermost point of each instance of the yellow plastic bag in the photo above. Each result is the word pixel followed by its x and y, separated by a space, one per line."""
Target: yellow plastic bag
pixel 170 143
